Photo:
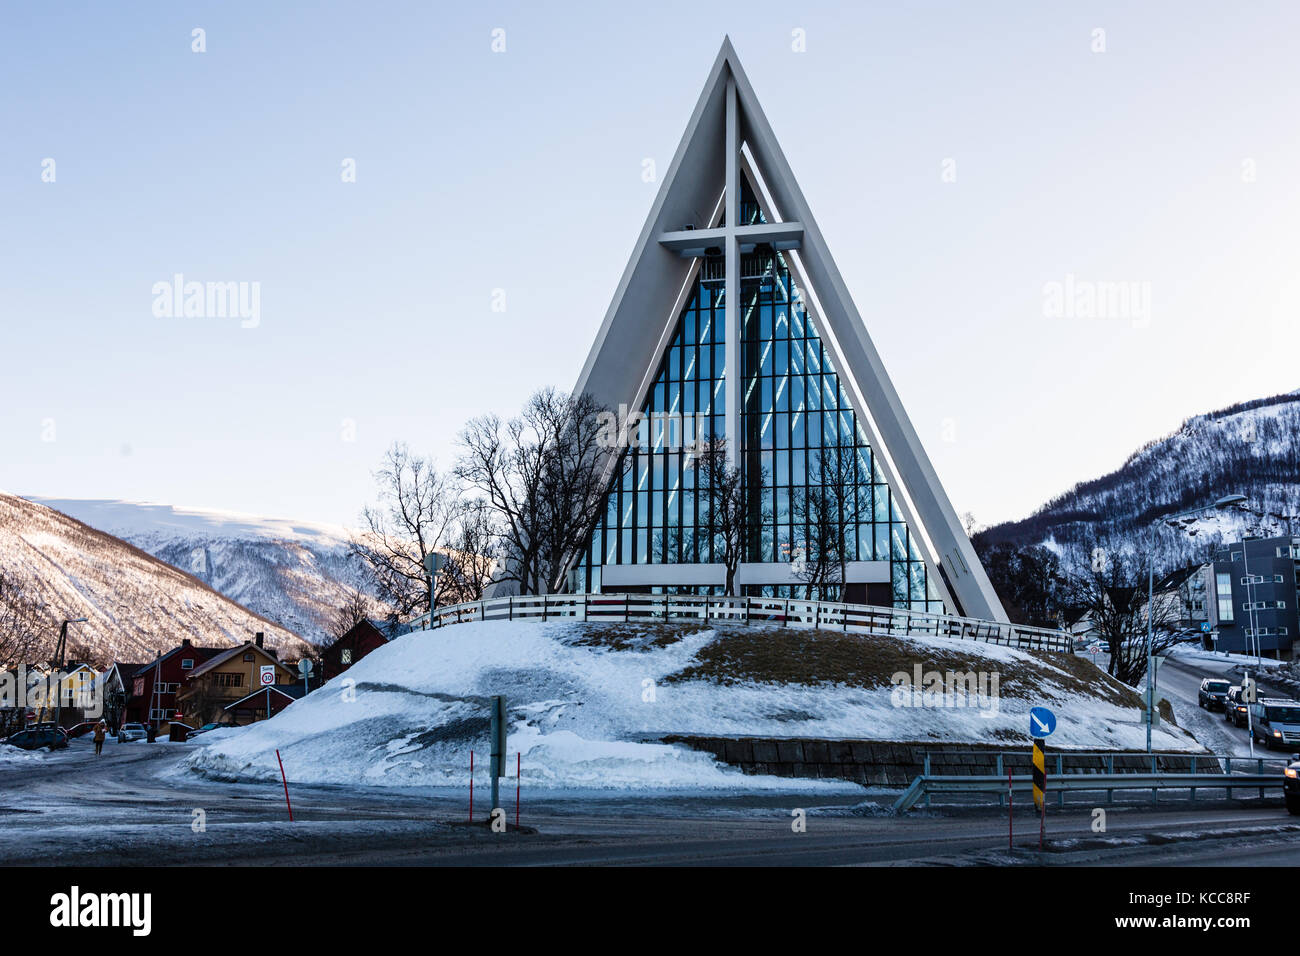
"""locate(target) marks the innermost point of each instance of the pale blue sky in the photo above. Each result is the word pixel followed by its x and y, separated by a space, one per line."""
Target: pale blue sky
pixel 522 171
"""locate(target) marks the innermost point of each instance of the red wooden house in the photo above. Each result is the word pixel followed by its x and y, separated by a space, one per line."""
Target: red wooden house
pixel 151 688
pixel 364 637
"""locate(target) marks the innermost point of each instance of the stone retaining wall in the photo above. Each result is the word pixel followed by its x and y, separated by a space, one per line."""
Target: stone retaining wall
pixel 879 763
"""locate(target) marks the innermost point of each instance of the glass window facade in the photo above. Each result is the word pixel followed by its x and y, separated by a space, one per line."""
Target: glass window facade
pixel 1223 589
pixel 792 405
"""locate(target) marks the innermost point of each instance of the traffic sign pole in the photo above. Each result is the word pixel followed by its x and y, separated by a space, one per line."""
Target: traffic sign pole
pixel 1042 723
pixel 1040 787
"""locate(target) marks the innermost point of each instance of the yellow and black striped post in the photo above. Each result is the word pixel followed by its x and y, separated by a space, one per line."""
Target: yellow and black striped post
pixel 1040 775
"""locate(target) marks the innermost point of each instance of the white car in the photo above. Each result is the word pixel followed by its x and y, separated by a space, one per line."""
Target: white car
pixel 132 732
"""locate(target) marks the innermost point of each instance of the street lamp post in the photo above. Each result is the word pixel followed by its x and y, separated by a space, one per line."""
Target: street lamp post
pixel 1225 502
pixel 60 652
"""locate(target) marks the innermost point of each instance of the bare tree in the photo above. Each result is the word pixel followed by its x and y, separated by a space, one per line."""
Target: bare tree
pixel 201 703
pixel 731 511
pixel 824 516
pixel 22 623
pixel 472 558
pixel 1111 586
pixel 543 475
pixel 417 514
pixel 356 607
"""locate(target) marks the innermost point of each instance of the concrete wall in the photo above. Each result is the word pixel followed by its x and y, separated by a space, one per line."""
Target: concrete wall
pixel 877 763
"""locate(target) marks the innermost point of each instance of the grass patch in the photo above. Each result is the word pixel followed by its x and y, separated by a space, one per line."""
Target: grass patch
pixel 773 655
pixel 631 636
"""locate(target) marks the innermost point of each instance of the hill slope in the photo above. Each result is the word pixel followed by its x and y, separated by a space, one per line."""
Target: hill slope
pixel 1250 449
pixel 291 572
pixel 135 603
pixel 590 704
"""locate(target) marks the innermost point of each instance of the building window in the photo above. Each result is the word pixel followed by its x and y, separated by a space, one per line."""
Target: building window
pixel 228 680
pixel 248 658
pixel 1223 585
pixel 796 426
pixel 345 656
pixel 187 664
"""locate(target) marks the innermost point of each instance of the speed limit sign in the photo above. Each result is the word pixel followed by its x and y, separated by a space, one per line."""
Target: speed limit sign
pixel 268 675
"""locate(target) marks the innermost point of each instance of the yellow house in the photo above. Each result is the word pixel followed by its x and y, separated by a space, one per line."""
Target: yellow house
pixel 75 692
pixel 228 677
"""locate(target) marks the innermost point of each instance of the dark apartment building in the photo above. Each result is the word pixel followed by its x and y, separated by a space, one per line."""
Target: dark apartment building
pixel 1252 596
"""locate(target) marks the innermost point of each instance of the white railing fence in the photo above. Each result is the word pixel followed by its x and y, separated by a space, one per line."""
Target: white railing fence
pixel 791 612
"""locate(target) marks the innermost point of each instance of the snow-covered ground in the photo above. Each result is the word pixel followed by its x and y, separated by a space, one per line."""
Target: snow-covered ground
pixel 585 713
pixel 1209 659
pixel 15 756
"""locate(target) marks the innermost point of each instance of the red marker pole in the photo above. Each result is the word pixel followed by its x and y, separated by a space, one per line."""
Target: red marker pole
pixel 1011 806
pixel 519 765
pixel 284 781
pixel 471 786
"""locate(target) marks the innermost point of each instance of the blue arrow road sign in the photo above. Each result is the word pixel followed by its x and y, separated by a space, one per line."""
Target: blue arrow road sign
pixel 1042 722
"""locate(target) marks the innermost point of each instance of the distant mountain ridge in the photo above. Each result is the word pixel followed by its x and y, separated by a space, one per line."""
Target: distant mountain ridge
pixel 294 573
pixel 1251 448
pixel 134 603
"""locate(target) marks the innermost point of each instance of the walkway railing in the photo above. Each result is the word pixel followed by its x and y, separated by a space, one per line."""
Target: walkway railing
pixel 1220 775
pixel 792 612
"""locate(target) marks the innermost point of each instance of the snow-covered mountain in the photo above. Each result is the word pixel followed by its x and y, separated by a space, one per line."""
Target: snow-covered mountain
pixel 134 603
pixel 1251 449
pixel 291 572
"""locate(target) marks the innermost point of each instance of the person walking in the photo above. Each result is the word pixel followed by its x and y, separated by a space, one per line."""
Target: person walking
pixel 101 729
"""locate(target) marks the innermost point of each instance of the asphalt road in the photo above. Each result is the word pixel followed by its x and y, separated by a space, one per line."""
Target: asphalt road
pixel 136 806
pixel 1179 679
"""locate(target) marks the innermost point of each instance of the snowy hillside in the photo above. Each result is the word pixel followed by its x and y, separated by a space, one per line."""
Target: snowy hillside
pixel 135 603
pixel 1249 449
pixel 589 703
pixel 290 572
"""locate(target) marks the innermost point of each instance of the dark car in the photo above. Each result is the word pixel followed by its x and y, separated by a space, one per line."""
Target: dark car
pixel 1275 722
pixel 1291 785
pixel 1213 694
pixel 34 738
pixel 1234 708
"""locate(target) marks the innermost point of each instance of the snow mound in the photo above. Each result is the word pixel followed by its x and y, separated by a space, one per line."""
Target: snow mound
pixel 590 704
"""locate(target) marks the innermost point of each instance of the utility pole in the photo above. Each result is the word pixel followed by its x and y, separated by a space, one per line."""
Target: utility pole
pixel 1225 502
pixel 60 653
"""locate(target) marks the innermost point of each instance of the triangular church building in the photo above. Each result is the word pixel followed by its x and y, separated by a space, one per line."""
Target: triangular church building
pixel 732 318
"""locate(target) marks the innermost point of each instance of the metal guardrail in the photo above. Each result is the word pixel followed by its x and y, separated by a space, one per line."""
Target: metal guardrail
pixel 817 615
pixel 926 786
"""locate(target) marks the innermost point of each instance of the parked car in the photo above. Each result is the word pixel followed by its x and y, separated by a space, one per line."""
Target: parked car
pixel 34 738
pixel 83 728
pixel 1291 785
pixel 131 732
pixel 1275 721
pixel 1234 708
pixel 1213 694
pixel 204 729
